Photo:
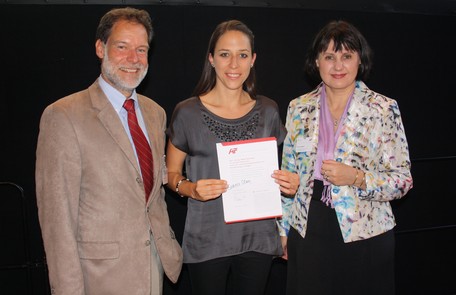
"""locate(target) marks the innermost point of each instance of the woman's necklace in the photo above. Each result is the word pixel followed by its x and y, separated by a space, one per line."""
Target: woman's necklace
pixel 336 117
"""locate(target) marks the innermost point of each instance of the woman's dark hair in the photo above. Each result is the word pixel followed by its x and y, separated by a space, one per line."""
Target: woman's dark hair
pixel 208 76
pixel 129 14
pixel 345 36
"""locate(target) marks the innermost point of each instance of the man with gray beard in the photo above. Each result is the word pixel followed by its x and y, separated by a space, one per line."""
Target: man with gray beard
pixel 99 168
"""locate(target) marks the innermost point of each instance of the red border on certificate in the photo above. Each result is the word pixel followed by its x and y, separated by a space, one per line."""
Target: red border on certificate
pixel 247 141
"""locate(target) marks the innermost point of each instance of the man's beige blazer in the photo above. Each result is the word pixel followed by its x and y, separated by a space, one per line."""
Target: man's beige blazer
pixel 95 223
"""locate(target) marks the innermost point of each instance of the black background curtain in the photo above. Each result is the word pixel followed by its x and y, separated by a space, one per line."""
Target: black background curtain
pixel 47 52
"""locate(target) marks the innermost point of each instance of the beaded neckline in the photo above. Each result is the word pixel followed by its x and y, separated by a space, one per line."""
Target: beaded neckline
pixel 233 132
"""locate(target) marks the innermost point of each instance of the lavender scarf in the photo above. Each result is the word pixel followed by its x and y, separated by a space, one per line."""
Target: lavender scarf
pixel 327 139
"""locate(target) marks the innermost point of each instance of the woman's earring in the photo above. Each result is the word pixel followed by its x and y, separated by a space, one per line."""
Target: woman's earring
pixel 251 65
pixel 213 65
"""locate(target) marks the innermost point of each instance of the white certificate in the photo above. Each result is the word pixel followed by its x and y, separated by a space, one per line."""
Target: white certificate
pixel 247 166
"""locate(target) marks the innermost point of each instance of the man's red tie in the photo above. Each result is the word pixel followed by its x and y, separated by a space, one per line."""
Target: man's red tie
pixel 142 147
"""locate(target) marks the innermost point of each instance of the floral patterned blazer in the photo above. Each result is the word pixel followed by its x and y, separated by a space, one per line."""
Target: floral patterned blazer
pixel 372 139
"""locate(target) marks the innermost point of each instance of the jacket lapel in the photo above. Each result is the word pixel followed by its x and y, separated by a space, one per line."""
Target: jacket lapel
pixel 311 119
pixel 357 113
pixel 110 120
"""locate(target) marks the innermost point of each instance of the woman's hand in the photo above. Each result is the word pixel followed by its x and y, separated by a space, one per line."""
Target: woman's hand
pixel 289 182
pixel 208 189
pixel 341 174
pixel 202 190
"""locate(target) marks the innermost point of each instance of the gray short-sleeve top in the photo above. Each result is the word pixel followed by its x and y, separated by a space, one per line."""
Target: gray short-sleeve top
pixel 195 130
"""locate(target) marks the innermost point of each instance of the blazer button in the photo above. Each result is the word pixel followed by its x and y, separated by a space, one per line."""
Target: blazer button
pixel 148 243
pixel 138 179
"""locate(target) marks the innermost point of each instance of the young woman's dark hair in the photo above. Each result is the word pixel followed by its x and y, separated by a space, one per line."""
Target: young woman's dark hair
pixel 345 36
pixel 208 76
pixel 129 14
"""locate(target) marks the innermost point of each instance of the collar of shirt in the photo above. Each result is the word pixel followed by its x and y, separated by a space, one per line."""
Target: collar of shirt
pixel 114 96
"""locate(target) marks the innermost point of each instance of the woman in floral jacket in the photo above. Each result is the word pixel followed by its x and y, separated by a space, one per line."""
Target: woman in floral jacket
pixel 348 145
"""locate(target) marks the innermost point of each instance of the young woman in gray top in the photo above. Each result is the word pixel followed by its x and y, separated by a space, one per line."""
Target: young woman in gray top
pixel 224 108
